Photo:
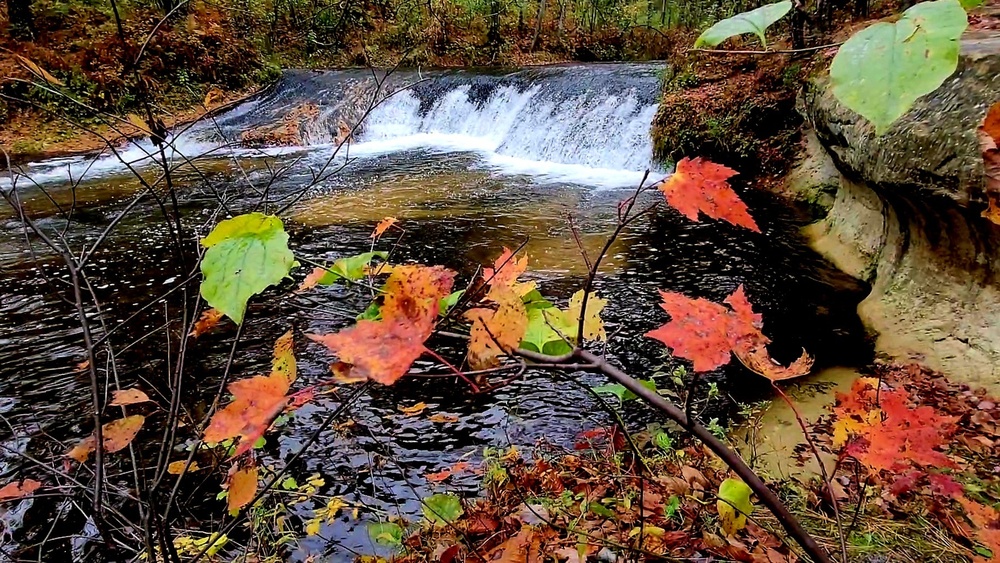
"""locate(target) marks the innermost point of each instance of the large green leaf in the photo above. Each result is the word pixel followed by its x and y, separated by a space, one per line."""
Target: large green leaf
pixel 541 334
pixel 442 507
pixel 754 21
pixel 385 533
pixel 246 255
pixel 734 505
pixel 881 70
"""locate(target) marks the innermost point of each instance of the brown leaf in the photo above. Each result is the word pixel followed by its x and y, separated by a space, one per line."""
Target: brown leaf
pixel 442 418
pixel 17 490
pixel 124 397
pixel 213 97
pixel 413 410
pixel 242 487
pixel 206 322
pixel 39 71
pixel 695 478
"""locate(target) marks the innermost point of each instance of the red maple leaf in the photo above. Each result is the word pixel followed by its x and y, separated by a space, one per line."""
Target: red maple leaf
pixel 698 185
pixel 706 333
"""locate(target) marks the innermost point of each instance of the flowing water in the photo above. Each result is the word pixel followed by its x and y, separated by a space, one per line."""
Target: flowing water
pixel 468 162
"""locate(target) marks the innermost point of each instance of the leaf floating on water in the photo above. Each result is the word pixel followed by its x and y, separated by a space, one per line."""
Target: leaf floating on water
pixel 413 410
pixel 122 397
pixel 698 185
pixel 207 321
pixel 442 508
pixel 383 226
pixel 16 490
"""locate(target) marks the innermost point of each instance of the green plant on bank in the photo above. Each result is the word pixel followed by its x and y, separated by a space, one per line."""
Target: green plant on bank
pixel 883 69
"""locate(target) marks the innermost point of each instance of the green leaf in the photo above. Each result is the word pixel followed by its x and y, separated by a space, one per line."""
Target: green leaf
pixel 352 268
pixel 385 533
pixel 442 507
pixel 540 331
pixel 663 441
pixel 970 4
pixel 673 505
pixel 372 313
pixel 600 510
pixel 246 255
pixel 734 505
pixel 534 300
pixel 881 70
pixel 289 484
pixel 754 21
pixel 448 302
pixel 623 394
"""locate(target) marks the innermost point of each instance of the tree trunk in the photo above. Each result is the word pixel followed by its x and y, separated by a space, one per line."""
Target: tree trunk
pixel 538 24
pixel 21 19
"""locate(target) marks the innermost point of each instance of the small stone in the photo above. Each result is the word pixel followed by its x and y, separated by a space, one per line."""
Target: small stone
pixel 986 405
pixel 605 555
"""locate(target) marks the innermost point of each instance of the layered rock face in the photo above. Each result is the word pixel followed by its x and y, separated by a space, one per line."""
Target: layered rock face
pixel 906 217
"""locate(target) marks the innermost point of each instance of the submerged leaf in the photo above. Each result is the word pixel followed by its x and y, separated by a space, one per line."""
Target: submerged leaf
pixel 122 397
pixel 18 490
pixel 442 508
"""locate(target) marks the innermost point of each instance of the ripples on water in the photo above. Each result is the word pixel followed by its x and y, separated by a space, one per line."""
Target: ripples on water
pixel 457 213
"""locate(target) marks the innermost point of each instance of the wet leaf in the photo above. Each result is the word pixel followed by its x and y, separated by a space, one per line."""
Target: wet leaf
pixel 883 69
pixel 384 350
pixel 442 508
pixel 442 418
pixel 754 21
pixel 122 397
pixel 385 533
pixel 545 330
pixel 242 488
pixel 18 489
pixel 283 362
pixel 383 226
pixel 698 185
pixel 734 505
pixel 117 435
pixel 206 322
pixel 246 255
pixel 177 467
pixel 505 271
pixel 413 410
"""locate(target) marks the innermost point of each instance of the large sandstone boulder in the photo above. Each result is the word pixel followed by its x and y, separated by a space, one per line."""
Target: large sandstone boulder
pixel 906 218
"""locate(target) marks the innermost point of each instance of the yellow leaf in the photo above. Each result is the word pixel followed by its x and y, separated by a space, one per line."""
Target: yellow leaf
pixel 242 487
pixel 284 357
pixel 414 410
pixel 313 527
pixel 177 467
pixel 495 333
pixel 593 326
pixel 124 397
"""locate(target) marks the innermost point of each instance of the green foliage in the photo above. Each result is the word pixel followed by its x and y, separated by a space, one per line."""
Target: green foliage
pixel 623 394
pixel 734 505
pixel 246 255
pixel 386 533
pixel 754 21
pixel 540 335
pixel 883 69
pixel 442 508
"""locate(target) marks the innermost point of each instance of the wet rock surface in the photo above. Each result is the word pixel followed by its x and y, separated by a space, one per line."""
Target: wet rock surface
pixel 906 217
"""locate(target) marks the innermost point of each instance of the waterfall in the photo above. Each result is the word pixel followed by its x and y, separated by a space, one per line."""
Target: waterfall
pixel 587 124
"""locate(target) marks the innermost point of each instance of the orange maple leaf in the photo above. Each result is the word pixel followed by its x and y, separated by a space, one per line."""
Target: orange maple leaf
pixel 987 522
pixel 496 332
pixel 383 226
pixel 505 271
pixel 706 333
pixel 256 401
pixel 116 434
pixel 698 185
pixel 17 489
pixel 206 322
pixel 384 350
pixel 242 487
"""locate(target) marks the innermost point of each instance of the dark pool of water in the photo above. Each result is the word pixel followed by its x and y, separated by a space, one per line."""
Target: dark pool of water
pixel 453 215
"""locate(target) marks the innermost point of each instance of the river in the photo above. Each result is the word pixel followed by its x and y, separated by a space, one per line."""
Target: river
pixel 468 162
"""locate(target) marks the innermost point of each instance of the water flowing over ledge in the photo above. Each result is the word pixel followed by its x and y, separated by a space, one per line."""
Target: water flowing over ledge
pixel 582 124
